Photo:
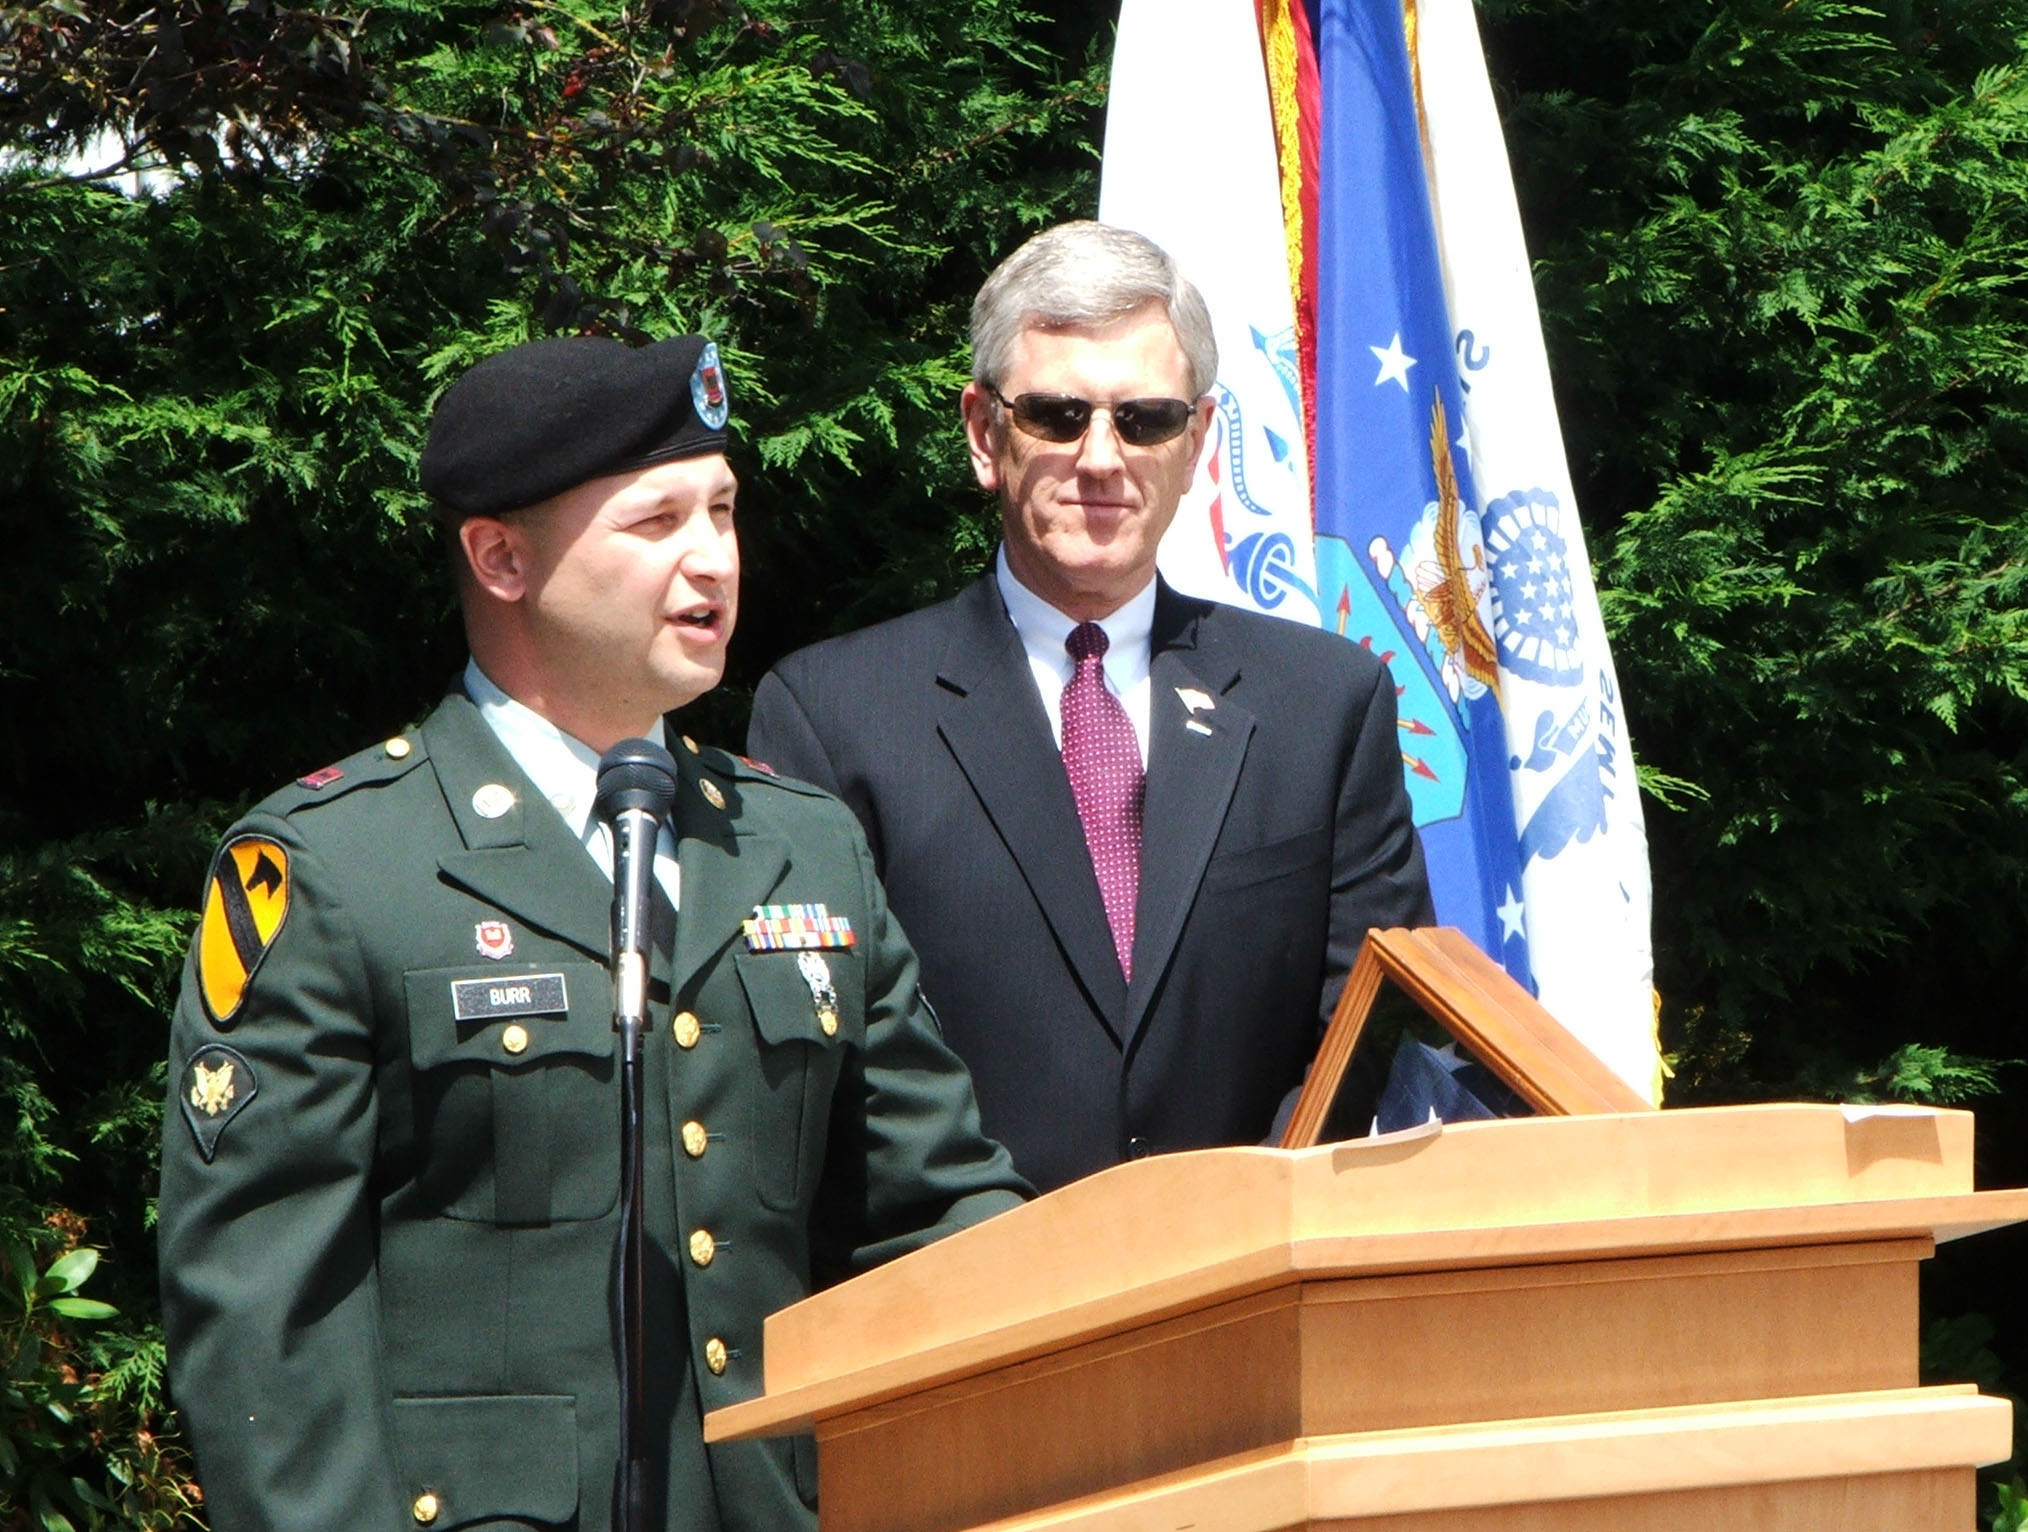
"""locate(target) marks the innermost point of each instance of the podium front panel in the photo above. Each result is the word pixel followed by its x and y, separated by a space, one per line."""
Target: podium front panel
pixel 1366 1354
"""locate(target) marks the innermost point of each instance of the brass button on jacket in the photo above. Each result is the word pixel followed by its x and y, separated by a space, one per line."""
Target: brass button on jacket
pixel 703 1247
pixel 686 1028
pixel 695 1140
pixel 515 1038
pixel 715 1354
pixel 426 1508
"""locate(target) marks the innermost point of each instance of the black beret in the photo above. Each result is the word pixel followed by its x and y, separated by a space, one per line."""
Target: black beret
pixel 544 417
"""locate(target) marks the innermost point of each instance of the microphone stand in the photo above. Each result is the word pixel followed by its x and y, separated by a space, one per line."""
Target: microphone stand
pixel 636 791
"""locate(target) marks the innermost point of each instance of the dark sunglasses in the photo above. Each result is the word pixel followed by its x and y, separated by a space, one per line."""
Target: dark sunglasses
pixel 1065 417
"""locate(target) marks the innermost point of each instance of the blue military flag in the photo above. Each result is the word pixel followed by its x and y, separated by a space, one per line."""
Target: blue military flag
pixel 1411 415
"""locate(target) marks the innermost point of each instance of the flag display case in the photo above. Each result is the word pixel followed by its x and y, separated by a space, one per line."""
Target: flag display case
pixel 1476 1003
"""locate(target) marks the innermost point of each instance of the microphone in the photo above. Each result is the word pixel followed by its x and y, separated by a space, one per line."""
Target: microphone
pixel 636 791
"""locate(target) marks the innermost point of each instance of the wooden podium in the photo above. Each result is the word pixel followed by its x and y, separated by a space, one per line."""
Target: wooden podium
pixel 1656 1321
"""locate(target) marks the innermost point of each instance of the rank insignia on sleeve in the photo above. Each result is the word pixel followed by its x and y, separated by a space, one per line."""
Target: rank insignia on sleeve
pixel 218 1083
pixel 795 928
pixel 246 900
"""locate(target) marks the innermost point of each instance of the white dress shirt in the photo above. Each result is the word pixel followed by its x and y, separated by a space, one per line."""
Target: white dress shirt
pixel 566 772
pixel 1043 630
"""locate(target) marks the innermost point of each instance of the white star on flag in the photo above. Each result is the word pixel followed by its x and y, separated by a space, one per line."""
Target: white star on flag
pixel 1394 363
pixel 1510 916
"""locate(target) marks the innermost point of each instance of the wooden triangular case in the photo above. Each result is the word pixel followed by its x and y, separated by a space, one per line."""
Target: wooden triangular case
pixel 1473 999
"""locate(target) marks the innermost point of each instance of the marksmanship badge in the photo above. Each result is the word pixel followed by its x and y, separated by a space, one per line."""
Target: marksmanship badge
pixel 823 993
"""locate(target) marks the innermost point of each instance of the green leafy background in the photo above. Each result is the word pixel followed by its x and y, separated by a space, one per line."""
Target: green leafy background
pixel 1780 248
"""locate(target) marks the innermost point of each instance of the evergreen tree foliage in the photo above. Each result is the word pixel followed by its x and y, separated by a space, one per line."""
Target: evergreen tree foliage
pixel 1781 248
pixel 1782 253
pixel 219 573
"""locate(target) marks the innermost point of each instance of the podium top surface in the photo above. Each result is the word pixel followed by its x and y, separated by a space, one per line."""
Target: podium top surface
pixel 1161 1236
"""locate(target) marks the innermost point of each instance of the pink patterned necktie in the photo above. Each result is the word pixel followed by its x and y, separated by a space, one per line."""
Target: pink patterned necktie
pixel 1104 762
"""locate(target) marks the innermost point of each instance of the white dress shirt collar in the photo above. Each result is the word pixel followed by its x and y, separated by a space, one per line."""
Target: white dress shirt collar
pixel 1043 630
pixel 563 768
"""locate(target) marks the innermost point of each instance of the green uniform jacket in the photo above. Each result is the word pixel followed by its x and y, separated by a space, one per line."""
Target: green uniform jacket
pixel 389 1203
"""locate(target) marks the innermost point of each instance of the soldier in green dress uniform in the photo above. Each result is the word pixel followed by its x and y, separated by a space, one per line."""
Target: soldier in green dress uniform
pixel 390 1162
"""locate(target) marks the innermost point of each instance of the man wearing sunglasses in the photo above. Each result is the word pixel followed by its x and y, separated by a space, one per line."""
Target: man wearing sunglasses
pixel 1136 837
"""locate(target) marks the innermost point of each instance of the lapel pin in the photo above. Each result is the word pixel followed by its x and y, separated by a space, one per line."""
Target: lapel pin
pixel 1196 701
pixel 1195 727
pixel 711 793
pixel 494 939
pixel 492 801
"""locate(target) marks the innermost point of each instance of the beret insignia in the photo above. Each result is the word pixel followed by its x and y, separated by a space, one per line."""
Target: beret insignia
pixel 217 1085
pixel 707 389
pixel 246 899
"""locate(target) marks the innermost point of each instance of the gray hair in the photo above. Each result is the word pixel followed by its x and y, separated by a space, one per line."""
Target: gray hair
pixel 1080 276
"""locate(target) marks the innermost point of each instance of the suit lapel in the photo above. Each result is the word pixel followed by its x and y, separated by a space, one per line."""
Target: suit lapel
pixel 992 722
pixel 1197 741
pixel 525 861
pixel 727 869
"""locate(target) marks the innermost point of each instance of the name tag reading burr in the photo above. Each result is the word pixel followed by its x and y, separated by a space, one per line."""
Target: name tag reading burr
pixel 532 994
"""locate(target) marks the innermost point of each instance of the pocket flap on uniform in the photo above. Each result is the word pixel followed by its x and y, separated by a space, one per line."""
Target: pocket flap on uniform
pixel 806 997
pixel 484 1016
pixel 504 1457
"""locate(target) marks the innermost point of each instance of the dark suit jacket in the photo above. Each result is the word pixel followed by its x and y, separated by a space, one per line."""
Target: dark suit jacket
pixel 1276 833
pixel 387 1224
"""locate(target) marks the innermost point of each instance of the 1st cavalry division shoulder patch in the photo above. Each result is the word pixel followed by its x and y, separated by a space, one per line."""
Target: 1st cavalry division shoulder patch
pixel 245 902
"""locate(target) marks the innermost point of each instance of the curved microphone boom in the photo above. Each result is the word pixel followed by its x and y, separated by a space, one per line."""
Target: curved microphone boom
pixel 636 791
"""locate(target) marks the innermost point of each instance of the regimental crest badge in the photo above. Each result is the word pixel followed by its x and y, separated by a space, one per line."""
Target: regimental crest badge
pixel 494 939
pixel 707 389
pixel 246 899
pixel 218 1084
